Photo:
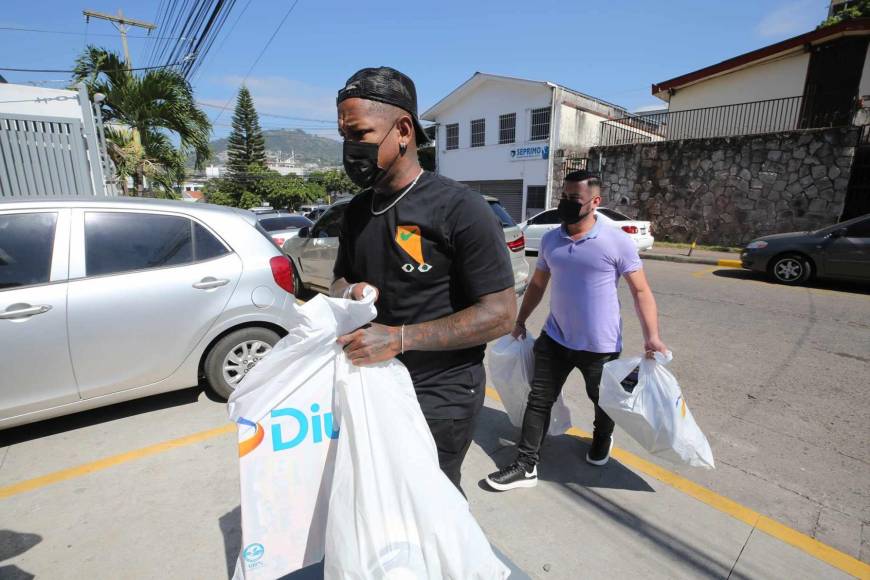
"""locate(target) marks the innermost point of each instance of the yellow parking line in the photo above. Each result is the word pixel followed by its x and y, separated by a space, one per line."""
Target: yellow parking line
pixel 780 531
pixel 771 527
pixel 105 463
pixel 703 273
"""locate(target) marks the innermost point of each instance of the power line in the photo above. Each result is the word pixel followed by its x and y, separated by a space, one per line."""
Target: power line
pixel 57 70
pixel 330 121
pixel 259 56
pixel 85 34
pixel 223 40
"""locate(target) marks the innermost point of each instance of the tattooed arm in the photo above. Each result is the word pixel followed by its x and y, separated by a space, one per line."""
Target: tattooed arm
pixel 491 317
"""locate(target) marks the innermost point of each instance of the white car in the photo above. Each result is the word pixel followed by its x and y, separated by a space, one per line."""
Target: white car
pixel 639 231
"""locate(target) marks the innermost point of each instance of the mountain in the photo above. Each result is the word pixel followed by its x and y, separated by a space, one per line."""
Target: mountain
pixel 308 148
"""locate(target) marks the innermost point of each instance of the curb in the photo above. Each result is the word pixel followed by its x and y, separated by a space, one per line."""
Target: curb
pixel 690 260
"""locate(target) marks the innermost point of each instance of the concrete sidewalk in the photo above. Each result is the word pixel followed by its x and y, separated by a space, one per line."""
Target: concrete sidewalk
pixel 612 522
pixel 724 259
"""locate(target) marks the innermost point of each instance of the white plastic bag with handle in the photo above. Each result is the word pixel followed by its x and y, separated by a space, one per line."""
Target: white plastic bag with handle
pixel 654 413
pixel 511 369
pixel 287 440
pixel 392 512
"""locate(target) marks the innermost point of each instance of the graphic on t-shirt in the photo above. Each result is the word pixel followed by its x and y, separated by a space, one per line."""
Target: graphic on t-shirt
pixel 410 240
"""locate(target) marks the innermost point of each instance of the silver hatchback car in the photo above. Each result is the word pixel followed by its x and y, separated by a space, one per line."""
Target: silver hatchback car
pixel 105 300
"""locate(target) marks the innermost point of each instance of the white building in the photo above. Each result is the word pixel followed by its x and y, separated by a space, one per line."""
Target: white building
pixel 824 73
pixel 512 138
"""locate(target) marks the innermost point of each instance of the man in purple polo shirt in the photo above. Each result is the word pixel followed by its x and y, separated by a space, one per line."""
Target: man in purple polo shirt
pixel 585 259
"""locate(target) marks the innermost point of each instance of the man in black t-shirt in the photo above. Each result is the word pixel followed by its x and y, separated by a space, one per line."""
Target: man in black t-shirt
pixel 432 249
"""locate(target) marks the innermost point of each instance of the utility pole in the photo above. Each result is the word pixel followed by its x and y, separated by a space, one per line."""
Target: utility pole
pixel 121 23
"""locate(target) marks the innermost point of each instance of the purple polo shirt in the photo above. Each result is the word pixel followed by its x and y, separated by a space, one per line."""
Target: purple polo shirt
pixel 584 305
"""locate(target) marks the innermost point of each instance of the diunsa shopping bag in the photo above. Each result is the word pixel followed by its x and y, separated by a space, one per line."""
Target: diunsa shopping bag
pixel 287 440
pixel 393 513
pixel 511 369
pixel 338 462
pixel 654 413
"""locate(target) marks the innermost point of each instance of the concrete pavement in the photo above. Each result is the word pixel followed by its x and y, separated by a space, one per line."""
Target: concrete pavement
pixel 773 375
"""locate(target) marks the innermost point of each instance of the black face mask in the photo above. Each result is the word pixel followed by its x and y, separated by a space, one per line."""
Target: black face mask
pixel 361 162
pixel 569 211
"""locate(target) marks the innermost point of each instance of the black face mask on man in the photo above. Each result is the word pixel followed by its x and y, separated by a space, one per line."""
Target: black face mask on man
pixel 569 211
pixel 361 161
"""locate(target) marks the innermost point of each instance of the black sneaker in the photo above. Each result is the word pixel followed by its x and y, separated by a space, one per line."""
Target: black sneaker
pixel 599 451
pixel 514 475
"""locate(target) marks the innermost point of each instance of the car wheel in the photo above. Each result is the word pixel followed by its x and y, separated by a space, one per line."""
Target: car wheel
pixel 234 355
pixel 790 269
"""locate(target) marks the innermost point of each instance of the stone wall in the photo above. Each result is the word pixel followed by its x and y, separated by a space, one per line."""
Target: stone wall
pixel 730 190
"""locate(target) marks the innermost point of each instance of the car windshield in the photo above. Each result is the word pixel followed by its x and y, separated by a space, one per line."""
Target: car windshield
pixel 274 224
pixel 502 215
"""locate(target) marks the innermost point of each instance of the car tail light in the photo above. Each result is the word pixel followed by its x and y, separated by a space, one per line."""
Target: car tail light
pixel 518 245
pixel 282 271
pixel 629 229
pixel 279 242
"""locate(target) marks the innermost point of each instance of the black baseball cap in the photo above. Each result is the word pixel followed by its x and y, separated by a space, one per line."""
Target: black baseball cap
pixel 386 85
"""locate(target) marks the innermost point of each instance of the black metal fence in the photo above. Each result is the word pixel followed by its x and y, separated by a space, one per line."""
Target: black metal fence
pixel 770 116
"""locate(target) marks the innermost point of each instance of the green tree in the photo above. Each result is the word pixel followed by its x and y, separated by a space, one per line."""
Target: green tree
pixel 246 146
pixel 249 200
pixel 219 192
pixel 334 181
pixel 856 9
pixel 145 114
pixel 282 191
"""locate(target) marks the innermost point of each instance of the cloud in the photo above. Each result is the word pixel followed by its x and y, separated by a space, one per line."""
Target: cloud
pixel 790 19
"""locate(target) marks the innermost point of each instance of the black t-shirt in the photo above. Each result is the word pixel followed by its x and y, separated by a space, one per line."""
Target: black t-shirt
pixel 436 252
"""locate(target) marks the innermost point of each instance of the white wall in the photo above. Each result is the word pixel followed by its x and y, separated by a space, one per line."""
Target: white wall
pixel 770 80
pixel 578 130
pixel 63 104
pixel 488 101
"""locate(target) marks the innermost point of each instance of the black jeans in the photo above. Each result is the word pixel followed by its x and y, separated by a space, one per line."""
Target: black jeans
pixel 553 364
pixel 452 439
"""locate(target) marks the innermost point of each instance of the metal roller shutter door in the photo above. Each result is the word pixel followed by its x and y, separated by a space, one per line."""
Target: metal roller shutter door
pixel 509 193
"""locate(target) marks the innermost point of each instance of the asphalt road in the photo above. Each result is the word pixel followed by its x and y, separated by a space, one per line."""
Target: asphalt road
pixel 777 379
pixel 775 376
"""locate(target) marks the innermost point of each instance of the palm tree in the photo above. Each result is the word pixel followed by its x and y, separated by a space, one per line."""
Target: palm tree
pixel 144 113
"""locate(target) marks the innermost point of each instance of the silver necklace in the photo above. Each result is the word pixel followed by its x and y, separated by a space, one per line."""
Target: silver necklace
pixel 398 199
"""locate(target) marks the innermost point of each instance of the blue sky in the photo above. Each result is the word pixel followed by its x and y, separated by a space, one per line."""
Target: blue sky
pixel 612 50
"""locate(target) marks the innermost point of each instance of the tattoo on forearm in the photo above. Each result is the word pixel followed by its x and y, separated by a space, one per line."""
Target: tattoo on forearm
pixel 490 318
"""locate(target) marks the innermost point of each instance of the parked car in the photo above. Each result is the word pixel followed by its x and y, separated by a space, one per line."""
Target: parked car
pixel 106 300
pixel 314 250
pixel 838 251
pixel 639 231
pixel 316 211
pixel 284 226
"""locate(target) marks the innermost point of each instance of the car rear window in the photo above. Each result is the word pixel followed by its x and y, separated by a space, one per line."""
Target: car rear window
pixel 274 224
pixel 502 215
pixel 614 215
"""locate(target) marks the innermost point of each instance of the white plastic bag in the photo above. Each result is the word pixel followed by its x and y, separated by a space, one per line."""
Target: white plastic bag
pixel 512 367
pixel 287 440
pixel 655 413
pixel 338 462
pixel 392 512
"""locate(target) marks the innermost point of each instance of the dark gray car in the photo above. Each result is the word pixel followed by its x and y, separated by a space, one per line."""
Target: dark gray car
pixel 839 251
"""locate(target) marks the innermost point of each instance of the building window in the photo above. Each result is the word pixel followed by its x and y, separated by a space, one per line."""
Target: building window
pixel 536 196
pixel 452 136
pixel 540 124
pixel 507 128
pixel 478 133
